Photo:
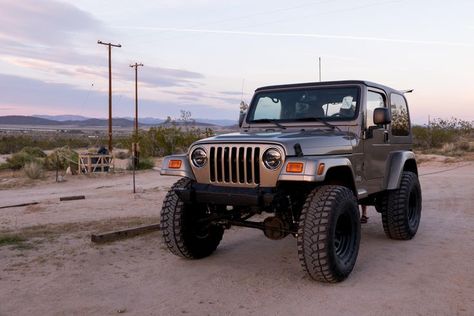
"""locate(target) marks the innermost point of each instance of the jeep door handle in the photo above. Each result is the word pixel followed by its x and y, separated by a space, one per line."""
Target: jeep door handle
pixel 385 136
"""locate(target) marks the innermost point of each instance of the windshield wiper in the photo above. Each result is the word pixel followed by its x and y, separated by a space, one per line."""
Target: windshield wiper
pixel 269 121
pixel 317 119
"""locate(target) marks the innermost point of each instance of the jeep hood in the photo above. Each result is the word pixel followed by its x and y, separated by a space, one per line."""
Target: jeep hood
pixel 313 142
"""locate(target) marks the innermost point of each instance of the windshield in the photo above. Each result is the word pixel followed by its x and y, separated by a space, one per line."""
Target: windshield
pixel 328 104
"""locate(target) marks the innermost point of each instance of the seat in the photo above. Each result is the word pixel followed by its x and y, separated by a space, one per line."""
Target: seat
pixel 315 110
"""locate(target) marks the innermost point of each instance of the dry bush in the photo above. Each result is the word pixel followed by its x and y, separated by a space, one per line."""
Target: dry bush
pixel 33 170
pixel 464 146
pixel 471 146
pixel 62 158
pixel 448 147
pixel 122 154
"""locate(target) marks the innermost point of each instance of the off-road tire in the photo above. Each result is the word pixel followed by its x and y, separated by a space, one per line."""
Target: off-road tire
pixel 326 255
pixel 180 230
pixel 401 211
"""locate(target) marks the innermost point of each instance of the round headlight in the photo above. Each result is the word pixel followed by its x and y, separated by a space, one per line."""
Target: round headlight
pixel 199 157
pixel 272 158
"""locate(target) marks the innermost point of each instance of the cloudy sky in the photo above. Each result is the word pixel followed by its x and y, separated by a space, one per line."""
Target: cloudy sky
pixel 198 54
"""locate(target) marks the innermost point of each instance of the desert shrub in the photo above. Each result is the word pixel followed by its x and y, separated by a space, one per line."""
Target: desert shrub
pixel 464 146
pixel 33 170
pixel 24 156
pixel 62 158
pixel 143 164
pixel 34 151
pixel 122 154
pixel 14 143
pixel 146 163
pixel 440 132
pixel 165 140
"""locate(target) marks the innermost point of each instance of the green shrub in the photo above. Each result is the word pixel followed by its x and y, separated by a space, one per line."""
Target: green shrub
pixel 165 140
pixel 143 164
pixel 33 170
pixel 62 158
pixel 440 132
pixel 34 151
pixel 10 144
pixel 146 163
pixel 24 156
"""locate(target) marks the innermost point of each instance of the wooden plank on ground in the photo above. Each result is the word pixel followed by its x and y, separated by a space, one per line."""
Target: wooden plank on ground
pixel 124 233
pixel 71 198
pixel 19 205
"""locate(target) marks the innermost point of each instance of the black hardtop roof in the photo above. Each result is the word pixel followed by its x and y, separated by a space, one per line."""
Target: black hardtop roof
pixel 327 83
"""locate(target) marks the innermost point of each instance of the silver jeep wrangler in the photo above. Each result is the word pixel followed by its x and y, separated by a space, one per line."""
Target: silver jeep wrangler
pixel 308 155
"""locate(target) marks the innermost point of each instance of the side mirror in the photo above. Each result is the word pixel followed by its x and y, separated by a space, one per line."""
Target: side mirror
pixel 241 118
pixel 382 116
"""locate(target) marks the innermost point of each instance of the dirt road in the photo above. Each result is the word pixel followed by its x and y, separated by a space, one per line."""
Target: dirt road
pixel 57 271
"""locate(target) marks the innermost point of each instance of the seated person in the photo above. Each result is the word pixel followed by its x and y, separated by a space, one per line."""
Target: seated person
pixel 308 109
pixel 347 108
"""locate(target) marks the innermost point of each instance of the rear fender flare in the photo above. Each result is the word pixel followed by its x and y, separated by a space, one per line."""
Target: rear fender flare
pixel 395 167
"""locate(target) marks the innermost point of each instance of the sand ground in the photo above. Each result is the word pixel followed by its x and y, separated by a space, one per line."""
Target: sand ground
pixel 56 270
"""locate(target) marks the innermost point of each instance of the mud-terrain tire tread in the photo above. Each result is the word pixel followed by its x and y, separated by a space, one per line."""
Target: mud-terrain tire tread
pixel 172 228
pixel 394 212
pixel 313 239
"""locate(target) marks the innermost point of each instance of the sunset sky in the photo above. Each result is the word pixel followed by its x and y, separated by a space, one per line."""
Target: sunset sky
pixel 199 53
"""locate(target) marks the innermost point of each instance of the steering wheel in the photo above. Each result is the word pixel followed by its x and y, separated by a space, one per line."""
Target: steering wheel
pixel 336 115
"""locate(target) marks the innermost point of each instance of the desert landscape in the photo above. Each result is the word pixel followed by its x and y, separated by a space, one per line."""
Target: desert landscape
pixel 293 120
pixel 48 264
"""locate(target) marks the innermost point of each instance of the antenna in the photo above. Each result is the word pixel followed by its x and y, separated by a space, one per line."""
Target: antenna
pixel 242 92
pixel 319 69
pixel 407 91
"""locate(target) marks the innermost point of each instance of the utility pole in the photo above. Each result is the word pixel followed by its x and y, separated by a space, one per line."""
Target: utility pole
pixel 110 45
pixel 136 65
pixel 319 69
pixel 135 143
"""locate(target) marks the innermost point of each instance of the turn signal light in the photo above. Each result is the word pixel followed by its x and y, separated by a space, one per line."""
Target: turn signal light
pixel 294 167
pixel 174 164
pixel 320 169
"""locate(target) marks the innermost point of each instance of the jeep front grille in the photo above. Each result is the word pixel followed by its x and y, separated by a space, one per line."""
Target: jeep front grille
pixel 234 164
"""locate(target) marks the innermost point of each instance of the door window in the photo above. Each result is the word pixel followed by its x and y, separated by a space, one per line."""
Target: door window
pixel 374 100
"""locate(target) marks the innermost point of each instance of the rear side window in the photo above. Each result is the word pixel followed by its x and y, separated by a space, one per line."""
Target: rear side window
pixel 400 119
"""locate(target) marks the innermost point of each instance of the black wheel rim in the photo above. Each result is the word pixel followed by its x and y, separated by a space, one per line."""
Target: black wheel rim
pixel 413 208
pixel 196 221
pixel 344 237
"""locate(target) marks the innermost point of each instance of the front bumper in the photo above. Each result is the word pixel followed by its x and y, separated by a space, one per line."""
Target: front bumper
pixel 218 195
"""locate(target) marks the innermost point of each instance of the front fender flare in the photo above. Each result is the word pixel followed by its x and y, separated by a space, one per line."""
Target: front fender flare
pixel 184 171
pixel 310 169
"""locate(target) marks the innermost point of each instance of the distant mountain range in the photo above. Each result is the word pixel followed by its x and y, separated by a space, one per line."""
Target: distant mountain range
pixel 81 121
pixel 143 120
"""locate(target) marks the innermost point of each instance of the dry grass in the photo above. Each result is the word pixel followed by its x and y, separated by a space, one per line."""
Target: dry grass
pixel 33 170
